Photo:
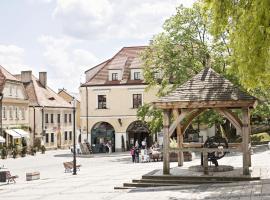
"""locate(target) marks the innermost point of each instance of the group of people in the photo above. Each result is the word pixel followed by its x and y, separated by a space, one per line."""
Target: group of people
pixel 136 150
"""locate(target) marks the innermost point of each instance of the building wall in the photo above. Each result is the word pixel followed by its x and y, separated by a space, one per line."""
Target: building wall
pixel 69 98
pixel 55 129
pixel 15 111
pixel 119 113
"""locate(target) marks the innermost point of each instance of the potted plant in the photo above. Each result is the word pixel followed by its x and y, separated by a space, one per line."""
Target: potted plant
pixel 15 152
pixel 4 153
pixel 33 151
pixel 23 152
pixel 43 149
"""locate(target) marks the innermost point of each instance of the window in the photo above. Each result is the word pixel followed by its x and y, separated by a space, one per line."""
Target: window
pixel 16 91
pixel 58 118
pixel 4 112
pixel 52 137
pixel 66 135
pixel 137 75
pixel 65 118
pixel 47 138
pixel 51 118
pixel 114 76
pixel 70 135
pixel 137 100
pixel 101 101
pixel 10 112
pixel 10 90
pixel 69 118
pixel 23 113
pixel 46 118
pixel 16 113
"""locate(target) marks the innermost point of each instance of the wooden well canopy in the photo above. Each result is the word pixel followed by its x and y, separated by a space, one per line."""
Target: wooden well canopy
pixel 206 90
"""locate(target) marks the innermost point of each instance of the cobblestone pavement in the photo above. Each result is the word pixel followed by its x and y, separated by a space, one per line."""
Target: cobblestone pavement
pixel 100 174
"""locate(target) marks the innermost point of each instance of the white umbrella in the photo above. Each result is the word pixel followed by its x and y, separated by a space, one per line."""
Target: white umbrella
pixel 2 140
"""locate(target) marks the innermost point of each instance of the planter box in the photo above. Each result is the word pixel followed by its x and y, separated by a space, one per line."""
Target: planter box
pixel 32 176
pixel 187 157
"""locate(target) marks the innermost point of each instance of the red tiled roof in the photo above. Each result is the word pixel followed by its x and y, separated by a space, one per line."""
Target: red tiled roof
pixel 8 75
pixel 127 58
pixel 2 81
pixel 43 96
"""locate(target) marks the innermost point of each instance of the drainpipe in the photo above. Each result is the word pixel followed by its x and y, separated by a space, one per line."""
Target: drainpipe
pixel 34 136
pixel 87 115
pixel 42 112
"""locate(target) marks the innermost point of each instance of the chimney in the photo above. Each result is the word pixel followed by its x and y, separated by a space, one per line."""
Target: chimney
pixel 26 76
pixel 43 78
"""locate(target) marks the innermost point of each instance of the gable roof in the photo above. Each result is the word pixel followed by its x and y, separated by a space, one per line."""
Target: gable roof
pixel 126 59
pixel 71 94
pixel 43 96
pixel 2 81
pixel 8 75
pixel 207 86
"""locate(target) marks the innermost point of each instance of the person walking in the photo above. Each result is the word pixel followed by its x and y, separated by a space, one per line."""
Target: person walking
pixel 132 153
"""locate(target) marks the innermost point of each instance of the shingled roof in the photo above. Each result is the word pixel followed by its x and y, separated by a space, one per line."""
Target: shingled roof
pixel 207 86
pixel 126 59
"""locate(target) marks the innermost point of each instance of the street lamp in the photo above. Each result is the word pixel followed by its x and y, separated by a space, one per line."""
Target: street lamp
pixel 74 137
pixel 1 106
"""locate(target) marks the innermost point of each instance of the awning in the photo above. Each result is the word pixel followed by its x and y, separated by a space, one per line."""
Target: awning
pixel 2 140
pixel 21 132
pixel 13 133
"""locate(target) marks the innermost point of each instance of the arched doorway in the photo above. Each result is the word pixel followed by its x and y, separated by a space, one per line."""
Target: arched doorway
pixel 138 131
pixel 101 134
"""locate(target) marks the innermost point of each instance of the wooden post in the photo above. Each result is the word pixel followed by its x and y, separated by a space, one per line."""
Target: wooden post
pixel 180 154
pixel 245 140
pixel 166 142
pixel 205 163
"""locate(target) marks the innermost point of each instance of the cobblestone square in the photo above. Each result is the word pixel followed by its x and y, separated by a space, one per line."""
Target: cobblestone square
pixel 100 173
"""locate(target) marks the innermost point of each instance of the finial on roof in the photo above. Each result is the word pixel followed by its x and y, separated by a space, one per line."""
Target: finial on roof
pixel 207 61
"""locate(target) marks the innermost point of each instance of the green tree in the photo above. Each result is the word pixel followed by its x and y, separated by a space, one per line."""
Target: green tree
pixel 180 51
pixel 247 23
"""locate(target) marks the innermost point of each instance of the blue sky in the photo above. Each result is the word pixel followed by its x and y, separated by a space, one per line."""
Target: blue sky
pixel 67 37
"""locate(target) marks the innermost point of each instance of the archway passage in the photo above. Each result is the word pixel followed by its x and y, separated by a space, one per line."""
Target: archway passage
pixel 138 131
pixel 102 135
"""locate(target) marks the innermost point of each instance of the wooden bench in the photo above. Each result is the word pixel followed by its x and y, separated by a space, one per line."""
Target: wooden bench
pixel 11 178
pixel 32 176
pixel 69 166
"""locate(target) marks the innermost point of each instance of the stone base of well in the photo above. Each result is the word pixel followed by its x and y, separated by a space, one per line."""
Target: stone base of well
pixel 220 168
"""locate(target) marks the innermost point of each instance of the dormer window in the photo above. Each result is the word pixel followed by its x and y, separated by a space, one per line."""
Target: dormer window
pixel 114 76
pixel 137 75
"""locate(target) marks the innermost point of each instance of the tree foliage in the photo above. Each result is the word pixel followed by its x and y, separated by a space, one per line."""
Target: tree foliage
pixel 179 52
pixel 247 23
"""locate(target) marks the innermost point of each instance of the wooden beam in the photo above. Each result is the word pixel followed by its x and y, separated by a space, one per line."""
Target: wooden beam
pixel 194 149
pixel 166 142
pixel 190 118
pixel 180 155
pixel 205 104
pixel 233 118
pixel 176 122
pixel 245 140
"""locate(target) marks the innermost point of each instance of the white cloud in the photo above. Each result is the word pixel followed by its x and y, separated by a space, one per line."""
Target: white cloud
pixel 65 63
pixel 103 19
pixel 12 58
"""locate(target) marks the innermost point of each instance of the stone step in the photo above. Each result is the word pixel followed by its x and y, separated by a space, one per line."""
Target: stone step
pixel 128 185
pixel 150 181
pixel 200 178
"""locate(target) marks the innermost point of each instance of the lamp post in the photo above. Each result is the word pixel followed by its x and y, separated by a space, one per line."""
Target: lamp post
pixel 74 137
pixel 1 106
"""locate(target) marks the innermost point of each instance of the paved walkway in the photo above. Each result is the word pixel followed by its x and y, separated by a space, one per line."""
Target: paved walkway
pixel 99 175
